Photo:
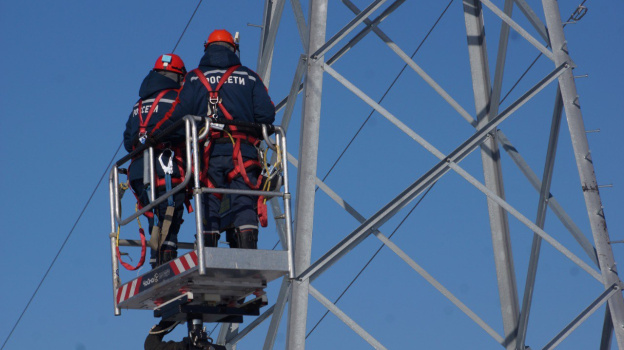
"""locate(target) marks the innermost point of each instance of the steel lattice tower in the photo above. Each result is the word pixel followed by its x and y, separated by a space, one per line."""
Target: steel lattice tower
pixel 323 50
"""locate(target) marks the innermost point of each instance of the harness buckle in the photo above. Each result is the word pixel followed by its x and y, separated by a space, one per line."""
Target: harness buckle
pixel 217 126
pixel 214 100
pixel 168 169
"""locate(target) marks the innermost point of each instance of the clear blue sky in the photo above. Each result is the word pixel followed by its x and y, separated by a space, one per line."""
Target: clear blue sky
pixel 71 72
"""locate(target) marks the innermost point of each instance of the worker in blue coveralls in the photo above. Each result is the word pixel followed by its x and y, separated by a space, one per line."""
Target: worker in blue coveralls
pixel 157 96
pixel 240 95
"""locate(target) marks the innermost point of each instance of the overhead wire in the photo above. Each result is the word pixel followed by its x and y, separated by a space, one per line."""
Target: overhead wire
pixel 372 258
pixel 425 194
pixel 349 144
pixel 387 90
pixel 187 25
pixel 358 132
pixel 538 56
pixel 83 210
pixel 62 246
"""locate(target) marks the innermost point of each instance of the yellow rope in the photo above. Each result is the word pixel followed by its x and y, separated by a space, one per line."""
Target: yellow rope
pixel 230 136
pixel 136 208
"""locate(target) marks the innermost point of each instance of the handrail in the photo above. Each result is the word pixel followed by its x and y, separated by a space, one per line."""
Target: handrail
pixel 193 151
pixel 114 176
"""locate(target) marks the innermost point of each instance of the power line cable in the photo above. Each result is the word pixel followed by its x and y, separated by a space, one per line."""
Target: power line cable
pixel 425 194
pixel 371 259
pixel 63 245
pixel 540 55
pixel 187 25
pixel 382 98
pixel 349 144
pixel 387 91
pixel 84 208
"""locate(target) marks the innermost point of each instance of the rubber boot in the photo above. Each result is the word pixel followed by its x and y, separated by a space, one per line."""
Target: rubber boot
pixel 167 255
pixel 243 239
pixel 211 238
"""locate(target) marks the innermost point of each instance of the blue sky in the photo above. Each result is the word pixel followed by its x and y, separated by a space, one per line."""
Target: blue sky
pixel 71 74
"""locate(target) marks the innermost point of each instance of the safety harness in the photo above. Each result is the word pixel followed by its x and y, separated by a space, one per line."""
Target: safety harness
pixel 174 155
pixel 230 134
pixel 175 151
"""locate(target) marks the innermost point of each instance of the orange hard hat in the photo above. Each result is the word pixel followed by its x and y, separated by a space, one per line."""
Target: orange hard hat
pixel 220 35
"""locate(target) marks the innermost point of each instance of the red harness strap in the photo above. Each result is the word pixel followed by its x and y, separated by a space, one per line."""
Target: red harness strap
pixel 240 167
pixel 203 176
pixel 160 182
pixel 143 123
pixel 237 158
pixel 213 94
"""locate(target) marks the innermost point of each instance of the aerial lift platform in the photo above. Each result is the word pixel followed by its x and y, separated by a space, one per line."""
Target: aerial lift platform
pixel 208 284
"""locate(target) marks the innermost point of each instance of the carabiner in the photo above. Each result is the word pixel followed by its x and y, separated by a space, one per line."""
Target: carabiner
pixel 168 169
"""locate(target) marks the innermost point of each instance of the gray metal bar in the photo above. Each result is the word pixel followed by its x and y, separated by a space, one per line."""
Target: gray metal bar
pixel 370 25
pixel 346 206
pixel 154 202
pixel 607 331
pixel 437 285
pixel 540 220
pixel 290 105
pixel 294 91
pixel 492 172
pixel 290 240
pixel 234 338
pixel 554 205
pixel 533 19
pixel 277 312
pixel 344 49
pixel 439 170
pixel 501 58
pixel 308 153
pixel 113 189
pixel 585 166
pixel 423 182
pixel 137 243
pixel 523 219
pixel 346 319
pixel 243 192
pixel 543 49
pixel 301 24
pixel 552 202
pixel 347 29
pixel 333 195
pixel 227 331
pixel 266 22
pixel 404 256
pixel 152 174
pixel 408 60
pixel 264 68
pixel 604 296
pixel 199 212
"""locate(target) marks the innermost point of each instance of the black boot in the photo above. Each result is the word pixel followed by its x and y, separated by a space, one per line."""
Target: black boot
pixel 211 239
pixel 243 239
pixel 167 255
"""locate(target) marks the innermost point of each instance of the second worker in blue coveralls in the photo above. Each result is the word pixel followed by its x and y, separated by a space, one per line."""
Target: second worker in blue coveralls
pixel 157 95
pixel 243 97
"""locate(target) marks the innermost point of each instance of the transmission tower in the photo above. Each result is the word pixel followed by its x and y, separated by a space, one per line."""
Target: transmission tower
pixel 444 154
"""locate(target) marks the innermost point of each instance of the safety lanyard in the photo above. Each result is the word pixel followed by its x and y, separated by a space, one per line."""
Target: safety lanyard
pixel 168 170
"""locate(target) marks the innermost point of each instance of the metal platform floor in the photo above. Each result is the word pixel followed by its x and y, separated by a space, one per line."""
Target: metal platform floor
pixel 231 276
